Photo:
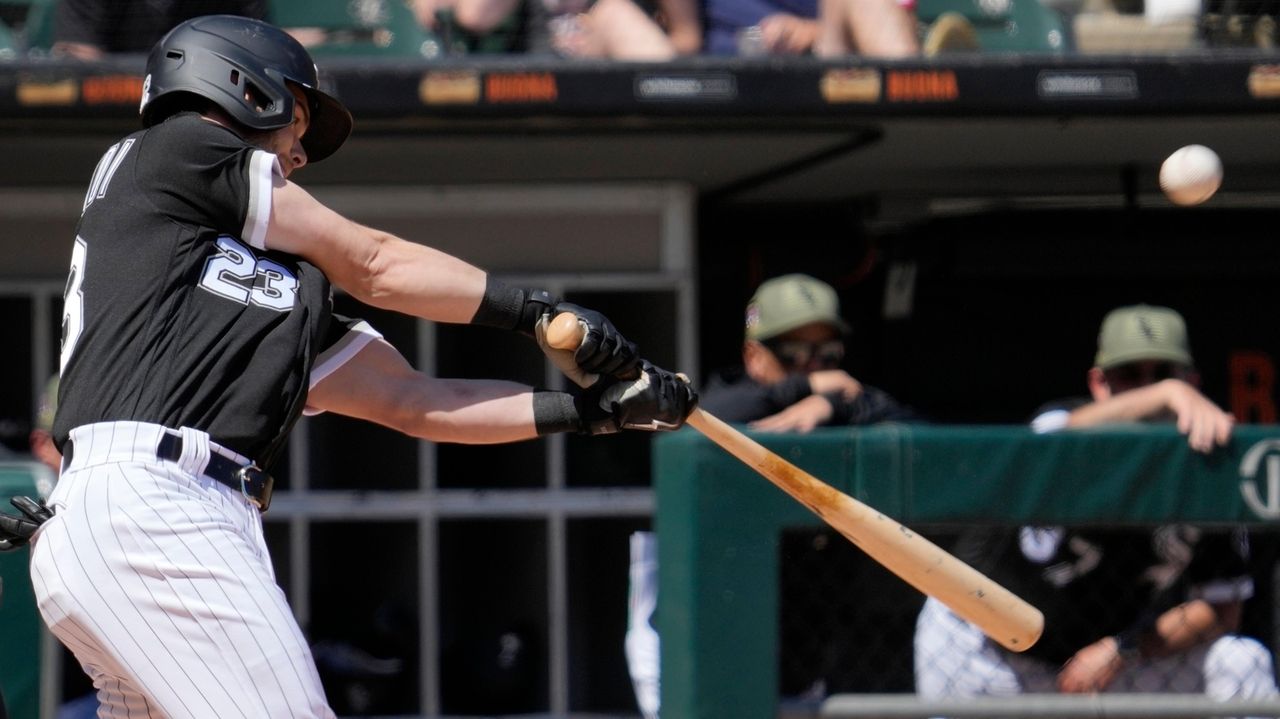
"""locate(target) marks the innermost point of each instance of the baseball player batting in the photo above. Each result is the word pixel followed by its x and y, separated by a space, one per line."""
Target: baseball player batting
pixel 198 328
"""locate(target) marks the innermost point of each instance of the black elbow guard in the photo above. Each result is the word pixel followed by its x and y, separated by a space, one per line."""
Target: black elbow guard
pixel 512 308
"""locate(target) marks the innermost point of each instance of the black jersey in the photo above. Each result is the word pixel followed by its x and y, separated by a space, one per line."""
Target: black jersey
pixel 733 396
pixel 175 313
pixel 1094 582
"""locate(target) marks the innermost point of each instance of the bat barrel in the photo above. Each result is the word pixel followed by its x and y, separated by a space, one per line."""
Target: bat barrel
pixel 999 613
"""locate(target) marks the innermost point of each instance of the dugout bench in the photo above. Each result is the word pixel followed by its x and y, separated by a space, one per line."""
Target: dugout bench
pixel 719 522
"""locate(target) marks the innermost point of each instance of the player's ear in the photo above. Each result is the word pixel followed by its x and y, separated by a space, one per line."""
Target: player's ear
pixel 760 363
pixel 1098 385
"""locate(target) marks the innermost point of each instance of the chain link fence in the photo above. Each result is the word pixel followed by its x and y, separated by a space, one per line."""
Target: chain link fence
pixel 849 626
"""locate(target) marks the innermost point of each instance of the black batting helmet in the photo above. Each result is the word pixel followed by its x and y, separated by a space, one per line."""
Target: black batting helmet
pixel 242 65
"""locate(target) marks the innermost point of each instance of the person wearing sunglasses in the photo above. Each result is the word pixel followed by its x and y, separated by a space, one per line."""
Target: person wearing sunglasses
pixel 791 378
pixel 1127 609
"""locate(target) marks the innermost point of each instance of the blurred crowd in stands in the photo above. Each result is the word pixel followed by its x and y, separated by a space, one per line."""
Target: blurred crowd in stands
pixel 658 30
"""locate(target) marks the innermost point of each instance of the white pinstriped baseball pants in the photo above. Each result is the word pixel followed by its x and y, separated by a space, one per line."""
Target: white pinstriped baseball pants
pixel 158 579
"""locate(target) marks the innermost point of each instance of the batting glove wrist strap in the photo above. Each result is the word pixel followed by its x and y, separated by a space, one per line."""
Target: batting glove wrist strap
pixel 555 412
pixel 595 412
pixel 512 308
pixel 16 531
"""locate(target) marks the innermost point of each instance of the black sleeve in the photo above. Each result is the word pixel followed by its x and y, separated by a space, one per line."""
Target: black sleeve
pixel 1218 571
pixel 1220 561
pixel 870 406
pixel 747 401
pixel 208 176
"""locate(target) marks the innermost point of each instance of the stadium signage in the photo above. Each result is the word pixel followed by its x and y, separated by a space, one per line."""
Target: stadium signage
pixel 520 87
pixel 695 87
pixel 460 87
pixel 33 92
pixel 850 85
pixel 1102 85
pixel 1262 457
pixel 921 86
pixel 1264 81
pixel 111 90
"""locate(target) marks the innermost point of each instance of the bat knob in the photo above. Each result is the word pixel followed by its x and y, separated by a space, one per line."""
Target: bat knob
pixel 565 332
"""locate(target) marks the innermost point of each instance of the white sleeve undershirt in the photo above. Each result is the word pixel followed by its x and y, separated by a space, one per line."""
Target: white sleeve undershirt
pixel 264 167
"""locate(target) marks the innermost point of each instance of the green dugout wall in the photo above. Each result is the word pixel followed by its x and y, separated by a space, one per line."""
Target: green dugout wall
pixel 20 625
pixel 719 522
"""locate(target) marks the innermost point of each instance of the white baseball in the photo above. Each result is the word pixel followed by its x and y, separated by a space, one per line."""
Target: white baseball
pixel 1191 175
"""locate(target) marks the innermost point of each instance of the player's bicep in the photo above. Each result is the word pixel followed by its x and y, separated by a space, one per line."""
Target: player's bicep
pixel 301 225
pixel 375 267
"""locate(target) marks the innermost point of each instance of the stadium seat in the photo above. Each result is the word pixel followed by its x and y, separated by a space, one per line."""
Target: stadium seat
pixel 1109 33
pixel 29 24
pixel 1003 25
pixel 8 50
pixel 372 27
pixel 507 37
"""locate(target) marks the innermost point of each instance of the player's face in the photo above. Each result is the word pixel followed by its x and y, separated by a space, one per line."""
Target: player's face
pixel 812 347
pixel 809 348
pixel 286 142
pixel 1142 373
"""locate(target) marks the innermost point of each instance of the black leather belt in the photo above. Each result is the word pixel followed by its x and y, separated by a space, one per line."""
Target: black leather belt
pixel 254 483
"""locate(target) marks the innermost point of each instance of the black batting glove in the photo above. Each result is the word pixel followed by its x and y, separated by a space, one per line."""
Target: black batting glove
pixel 657 401
pixel 16 531
pixel 604 351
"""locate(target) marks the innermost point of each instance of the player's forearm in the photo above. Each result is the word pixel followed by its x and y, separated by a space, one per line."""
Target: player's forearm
pixel 1188 625
pixel 1132 406
pixel 476 412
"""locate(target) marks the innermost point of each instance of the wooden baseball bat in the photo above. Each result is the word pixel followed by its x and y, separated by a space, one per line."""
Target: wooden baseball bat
pixel 999 613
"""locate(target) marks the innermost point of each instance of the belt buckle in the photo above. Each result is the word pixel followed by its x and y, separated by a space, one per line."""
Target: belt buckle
pixel 256 486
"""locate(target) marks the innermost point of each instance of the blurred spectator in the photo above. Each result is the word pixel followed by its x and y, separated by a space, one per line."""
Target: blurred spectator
pixel 790 381
pixel 90 29
pixel 614 29
pixel 791 377
pixel 827 28
pixel 1126 610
